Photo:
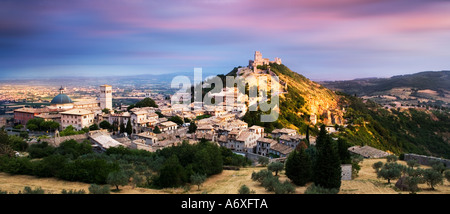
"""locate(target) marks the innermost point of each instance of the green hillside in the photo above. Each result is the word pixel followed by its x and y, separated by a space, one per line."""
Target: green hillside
pixel 368 123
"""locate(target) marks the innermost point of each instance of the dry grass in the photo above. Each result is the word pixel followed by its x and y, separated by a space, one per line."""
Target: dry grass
pixel 227 182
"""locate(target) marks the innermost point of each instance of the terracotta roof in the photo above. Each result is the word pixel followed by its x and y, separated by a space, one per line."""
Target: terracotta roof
pixel 30 110
pixel 266 140
pixel 284 130
pixel 77 112
pixel 244 135
pixel 283 149
pixel 368 152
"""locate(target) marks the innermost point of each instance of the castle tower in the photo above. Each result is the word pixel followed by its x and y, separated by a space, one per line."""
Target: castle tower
pixel 106 97
pixel 258 56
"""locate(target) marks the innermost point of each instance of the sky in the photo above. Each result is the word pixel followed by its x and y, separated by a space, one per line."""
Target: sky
pixel 320 39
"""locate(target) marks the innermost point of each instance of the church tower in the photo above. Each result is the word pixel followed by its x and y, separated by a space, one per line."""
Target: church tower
pixel 106 97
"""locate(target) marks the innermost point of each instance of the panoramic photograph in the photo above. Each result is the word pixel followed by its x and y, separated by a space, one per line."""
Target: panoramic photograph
pixel 224 104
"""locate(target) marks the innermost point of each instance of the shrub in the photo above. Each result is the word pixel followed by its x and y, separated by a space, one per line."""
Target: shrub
pixel 40 150
pixel 270 182
pixel 49 166
pixel 244 190
pixel 97 189
pixel 74 149
pixel 17 143
pixel 28 190
pixel 391 158
pixel 284 188
pixel 313 189
pixel 259 176
pixel 72 191
pixel 88 170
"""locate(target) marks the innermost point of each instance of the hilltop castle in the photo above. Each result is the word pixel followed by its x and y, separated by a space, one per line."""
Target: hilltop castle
pixel 253 64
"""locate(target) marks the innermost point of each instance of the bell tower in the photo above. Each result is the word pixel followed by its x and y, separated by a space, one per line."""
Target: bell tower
pixel 106 97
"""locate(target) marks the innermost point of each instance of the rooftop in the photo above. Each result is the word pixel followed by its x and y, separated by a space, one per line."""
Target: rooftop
pixel 61 99
pixel 281 148
pixel 77 112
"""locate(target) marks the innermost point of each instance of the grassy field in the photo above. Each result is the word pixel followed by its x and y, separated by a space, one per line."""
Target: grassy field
pixel 228 182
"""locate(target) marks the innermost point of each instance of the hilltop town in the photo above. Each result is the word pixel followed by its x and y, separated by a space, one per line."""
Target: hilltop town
pixel 166 123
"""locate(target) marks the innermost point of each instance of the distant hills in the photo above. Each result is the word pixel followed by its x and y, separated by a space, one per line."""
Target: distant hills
pixel 429 87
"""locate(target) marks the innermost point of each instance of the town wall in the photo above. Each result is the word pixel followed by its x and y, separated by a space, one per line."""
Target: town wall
pixel 426 160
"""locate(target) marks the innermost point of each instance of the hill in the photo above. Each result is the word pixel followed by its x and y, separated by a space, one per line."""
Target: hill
pixel 359 121
pixel 430 88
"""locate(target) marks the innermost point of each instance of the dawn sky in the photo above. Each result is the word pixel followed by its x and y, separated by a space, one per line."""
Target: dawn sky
pixel 321 39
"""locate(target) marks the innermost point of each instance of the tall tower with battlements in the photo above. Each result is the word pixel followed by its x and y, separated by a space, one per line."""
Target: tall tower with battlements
pixel 106 97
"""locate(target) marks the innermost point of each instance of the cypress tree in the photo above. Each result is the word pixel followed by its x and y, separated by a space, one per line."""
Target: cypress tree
pixel 122 128
pixel 327 170
pixel 129 129
pixel 344 154
pixel 156 130
pixel 307 136
pixel 298 167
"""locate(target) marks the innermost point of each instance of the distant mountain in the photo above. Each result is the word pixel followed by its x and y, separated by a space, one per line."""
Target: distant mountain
pixel 433 80
pixel 430 88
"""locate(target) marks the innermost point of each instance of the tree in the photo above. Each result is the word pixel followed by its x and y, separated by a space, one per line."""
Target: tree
pixel 390 171
pixel 432 177
pixel 377 166
pixel 192 127
pixel 263 160
pixel 447 175
pixel 307 136
pixel 344 154
pixel 172 174
pixel 17 143
pixel 298 167
pixel 198 179
pixel 94 127
pixel 105 125
pixel 176 119
pixel 117 178
pixel 438 166
pixel 327 169
pixel 106 110
pixel 32 127
pixel 122 128
pixel 412 163
pixel 156 130
pixel 74 149
pixel 275 167
pixel 129 128
pixel 40 150
pixel 49 125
